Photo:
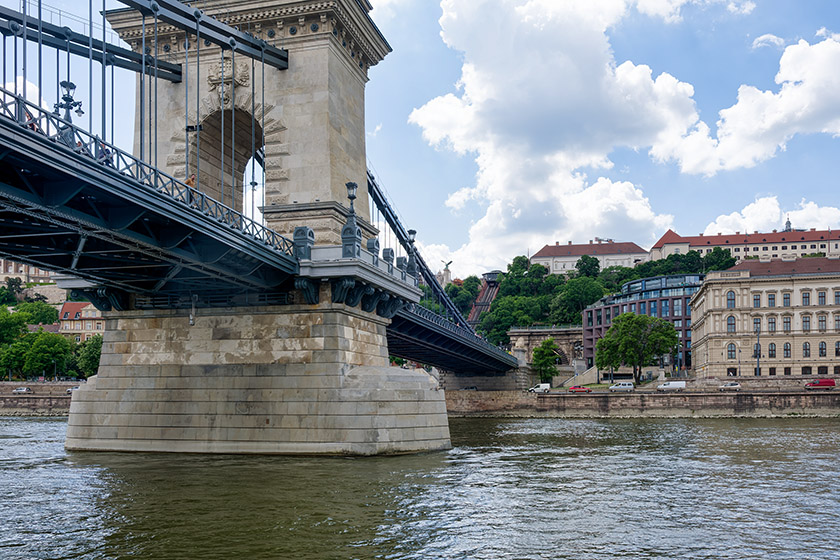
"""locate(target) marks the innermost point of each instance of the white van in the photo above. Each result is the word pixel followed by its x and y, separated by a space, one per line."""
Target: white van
pixel 622 386
pixel 671 386
pixel 540 388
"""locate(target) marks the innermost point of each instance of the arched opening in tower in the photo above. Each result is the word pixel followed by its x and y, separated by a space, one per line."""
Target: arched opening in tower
pixel 228 143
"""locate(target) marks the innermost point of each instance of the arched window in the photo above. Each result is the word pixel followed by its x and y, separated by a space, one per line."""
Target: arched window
pixel 730 351
pixel 823 350
pixel 806 349
pixel 787 349
pixel 730 300
pixel 771 350
pixel 730 324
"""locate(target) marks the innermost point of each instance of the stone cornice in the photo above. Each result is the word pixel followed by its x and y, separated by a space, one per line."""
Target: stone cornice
pixel 281 24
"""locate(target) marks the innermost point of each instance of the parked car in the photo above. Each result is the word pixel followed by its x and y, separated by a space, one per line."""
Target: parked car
pixel 22 390
pixel 71 389
pixel 579 389
pixel 540 388
pixel 671 386
pixel 730 386
pixel 622 386
pixel 827 384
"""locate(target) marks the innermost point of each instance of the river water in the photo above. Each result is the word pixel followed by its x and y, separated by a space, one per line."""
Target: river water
pixel 520 489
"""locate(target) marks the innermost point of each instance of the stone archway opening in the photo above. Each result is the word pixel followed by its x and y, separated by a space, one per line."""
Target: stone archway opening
pixel 227 145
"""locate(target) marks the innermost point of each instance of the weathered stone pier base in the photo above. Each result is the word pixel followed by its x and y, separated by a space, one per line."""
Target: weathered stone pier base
pixel 281 379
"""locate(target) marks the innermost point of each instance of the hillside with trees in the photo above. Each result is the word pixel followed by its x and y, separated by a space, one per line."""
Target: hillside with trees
pixel 529 295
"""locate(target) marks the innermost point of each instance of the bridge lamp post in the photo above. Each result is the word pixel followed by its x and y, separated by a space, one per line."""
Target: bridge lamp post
pixel 67 103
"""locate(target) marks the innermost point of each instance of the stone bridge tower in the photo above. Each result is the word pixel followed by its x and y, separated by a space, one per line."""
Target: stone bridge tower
pixel 307 375
pixel 314 111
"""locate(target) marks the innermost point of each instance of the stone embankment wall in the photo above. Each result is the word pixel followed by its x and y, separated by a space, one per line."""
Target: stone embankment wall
pixel 46 399
pixel 518 404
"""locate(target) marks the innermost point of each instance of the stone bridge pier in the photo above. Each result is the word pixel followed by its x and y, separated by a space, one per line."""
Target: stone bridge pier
pixel 308 374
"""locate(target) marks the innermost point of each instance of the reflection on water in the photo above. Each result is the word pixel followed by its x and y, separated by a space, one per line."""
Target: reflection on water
pixel 553 488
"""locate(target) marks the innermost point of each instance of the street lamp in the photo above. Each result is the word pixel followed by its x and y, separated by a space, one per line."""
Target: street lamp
pixel 67 103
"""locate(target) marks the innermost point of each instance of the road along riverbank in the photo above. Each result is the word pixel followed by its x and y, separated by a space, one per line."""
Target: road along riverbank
pixel 707 404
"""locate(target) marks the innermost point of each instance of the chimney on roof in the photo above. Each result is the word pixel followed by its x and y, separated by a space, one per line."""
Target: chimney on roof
pixel 737 233
pixel 590 242
pixel 755 231
pixel 701 235
pixel 813 229
pixel 599 240
pixel 719 233
pixel 570 242
pixel 774 231
pixel 556 243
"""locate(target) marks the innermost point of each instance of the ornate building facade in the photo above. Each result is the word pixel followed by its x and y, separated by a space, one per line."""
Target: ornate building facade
pixel 769 318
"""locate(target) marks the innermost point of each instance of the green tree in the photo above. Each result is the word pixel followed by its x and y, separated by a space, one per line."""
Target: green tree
pixel 12 325
pixel 588 266
pixel 463 294
pixel 13 356
pixel 567 306
pixel 635 340
pixel 612 277
pixel 507 312
pixel 7 297
pixel 49 353
pixel 718 259
pixel 88 354
pixel 38 312
pixel 544 360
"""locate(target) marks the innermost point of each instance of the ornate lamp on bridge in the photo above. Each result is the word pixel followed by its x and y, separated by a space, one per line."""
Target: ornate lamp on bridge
pixel 67 103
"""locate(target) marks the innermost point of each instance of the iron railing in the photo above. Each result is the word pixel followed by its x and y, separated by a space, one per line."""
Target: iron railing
pixel 65 134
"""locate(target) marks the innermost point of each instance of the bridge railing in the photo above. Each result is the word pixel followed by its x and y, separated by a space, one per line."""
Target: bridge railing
pixel 461 331
pixel 63 132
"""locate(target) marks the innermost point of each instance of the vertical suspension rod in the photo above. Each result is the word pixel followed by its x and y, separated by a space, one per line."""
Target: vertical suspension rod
pixel 233 124
pixel 197 14
pixel 142 88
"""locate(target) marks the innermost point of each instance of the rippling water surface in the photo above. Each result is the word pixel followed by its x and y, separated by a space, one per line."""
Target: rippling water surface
pixel 523 489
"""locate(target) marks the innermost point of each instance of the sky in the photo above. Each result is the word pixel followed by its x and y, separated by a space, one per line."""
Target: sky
pixel 497 127
pixel 500 126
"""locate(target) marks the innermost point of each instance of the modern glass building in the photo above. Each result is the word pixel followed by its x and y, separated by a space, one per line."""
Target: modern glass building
pixel 665 297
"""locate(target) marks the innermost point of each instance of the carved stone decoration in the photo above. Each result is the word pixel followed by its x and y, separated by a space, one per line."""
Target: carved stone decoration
pixel 340 289
pixel 309 289
pixel 357 293
pixel 370 301
pixel 304 239
pixel 104 299
pixel 387 308
pixel 241 77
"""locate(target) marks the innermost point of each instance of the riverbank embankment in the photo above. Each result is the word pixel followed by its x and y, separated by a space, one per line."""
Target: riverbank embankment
pixel 45 398
pixel 702 404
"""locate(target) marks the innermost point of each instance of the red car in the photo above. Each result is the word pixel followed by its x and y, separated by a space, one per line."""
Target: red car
pixel 579 389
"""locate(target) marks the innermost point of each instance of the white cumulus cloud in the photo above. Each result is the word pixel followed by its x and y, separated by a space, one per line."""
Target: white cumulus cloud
pixel 768 40
pixel 766 214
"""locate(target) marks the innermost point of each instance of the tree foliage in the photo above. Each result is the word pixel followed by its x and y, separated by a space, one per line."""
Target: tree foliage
pixel 567 306
pixel 37 312
pixel 88 354
pixel 463 294
pixel 49 353
pixel 588 266
pixel 544 360
pixel 635 340
pixel 12 326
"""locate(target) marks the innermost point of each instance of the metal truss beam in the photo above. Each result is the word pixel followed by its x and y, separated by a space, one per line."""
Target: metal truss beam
pixel 65 39
pixel 185 17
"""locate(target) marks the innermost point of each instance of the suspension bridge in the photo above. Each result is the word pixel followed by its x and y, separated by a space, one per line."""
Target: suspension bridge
pixel 285 308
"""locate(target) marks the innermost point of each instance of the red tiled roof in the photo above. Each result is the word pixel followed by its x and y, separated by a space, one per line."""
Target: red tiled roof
pixel 807 265
pixel 752 238
pixel 71 308
pixel 590 249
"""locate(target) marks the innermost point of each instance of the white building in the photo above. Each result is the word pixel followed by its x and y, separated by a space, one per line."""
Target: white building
pixel 559 259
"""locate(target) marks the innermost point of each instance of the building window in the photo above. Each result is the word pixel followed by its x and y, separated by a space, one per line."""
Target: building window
pixel 787 350
pixel 771 350
pixel 821 323
pixel 820 298
pixel 806 323
pixel 78 338
pixel 836 370
pixel 756 300
pixel 730 324
pixel 771 324
pixel 793 247
pixel 806 349
pixel 756 350
pixel 98 326
pixel 806 370
pixel 588 318
pixel 642 308
pixel 786 324
pixel 771 300
pixel 806 298
pixel 730 300
pixel 665 308
pixel 772 371
pixel 823 350
pixel 837 322
pixel 653 309
pixel 836 298
pixel 822 370
pixel 730 351
pixel 756 324
pixel 785 300
pixel 837 348
pixel 677 307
